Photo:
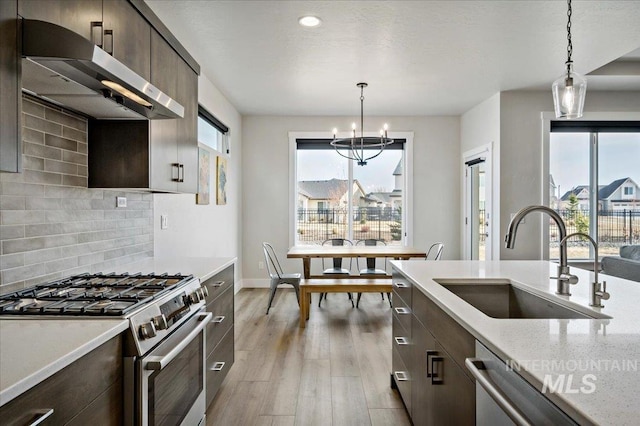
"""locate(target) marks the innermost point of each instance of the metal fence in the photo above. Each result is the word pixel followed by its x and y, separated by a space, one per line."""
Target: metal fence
pixel 616 227
pixel 381 223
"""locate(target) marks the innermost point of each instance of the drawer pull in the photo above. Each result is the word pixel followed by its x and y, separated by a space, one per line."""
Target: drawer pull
pixel 400 285
pixel 218 319
pixel 401 341
pixel 430 353
pixel 218 366
pixel 400 376
pixel 40 416
pixel 437 375
pixel 402 311
pixel 217 284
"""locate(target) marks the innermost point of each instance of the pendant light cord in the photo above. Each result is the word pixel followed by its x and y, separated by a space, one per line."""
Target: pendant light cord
pixel 569 45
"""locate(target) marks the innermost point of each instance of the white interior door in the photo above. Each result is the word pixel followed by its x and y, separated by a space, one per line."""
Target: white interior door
pixel 477 205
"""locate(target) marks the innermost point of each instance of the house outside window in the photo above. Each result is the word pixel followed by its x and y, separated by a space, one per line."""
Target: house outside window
pixel 594 167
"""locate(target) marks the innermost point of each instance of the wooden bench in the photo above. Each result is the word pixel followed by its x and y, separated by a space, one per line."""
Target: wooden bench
pixel 338 285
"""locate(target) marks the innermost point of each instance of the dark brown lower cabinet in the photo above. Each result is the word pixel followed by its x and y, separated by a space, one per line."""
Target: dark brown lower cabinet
pixel 436 389
pixel 88 391
pixel 220 331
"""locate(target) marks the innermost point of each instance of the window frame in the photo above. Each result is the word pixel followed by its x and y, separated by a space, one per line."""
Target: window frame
pixel 219 126
pixel 407 220
pixel 604 121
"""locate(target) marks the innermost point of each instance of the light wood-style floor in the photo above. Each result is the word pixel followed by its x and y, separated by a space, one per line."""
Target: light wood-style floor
pixel 334 372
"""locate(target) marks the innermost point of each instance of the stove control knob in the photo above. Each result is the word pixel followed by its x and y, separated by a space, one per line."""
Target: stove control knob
pixel 148 330
pixel 160 322
pixel 205 291
pixel 194 297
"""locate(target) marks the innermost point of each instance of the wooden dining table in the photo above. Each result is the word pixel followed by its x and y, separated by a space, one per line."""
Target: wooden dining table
pixel 330 283
pixel 306 253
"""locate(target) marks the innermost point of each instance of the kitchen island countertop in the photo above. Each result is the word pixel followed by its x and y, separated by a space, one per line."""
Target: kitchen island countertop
pixel 607 348
pixel 33 349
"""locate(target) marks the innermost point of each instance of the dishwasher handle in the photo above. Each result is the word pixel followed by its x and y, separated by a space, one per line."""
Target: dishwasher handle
pixel 479 372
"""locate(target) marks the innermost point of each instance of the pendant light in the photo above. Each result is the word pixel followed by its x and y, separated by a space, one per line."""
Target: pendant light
pixel 355 147
pixel 570 89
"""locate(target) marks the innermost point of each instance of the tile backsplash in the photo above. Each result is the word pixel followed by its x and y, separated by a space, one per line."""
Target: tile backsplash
pixel 51 224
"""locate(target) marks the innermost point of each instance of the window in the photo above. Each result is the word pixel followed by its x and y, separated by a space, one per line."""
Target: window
pixel 212 132
pixel 595 173
pixel 336 198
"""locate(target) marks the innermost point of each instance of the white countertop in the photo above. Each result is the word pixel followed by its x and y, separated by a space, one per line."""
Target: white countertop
pixel 33 349
pixel 200 267
pixel 607 348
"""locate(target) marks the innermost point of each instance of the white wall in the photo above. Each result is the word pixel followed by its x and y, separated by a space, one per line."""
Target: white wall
pixel 521 162
pixel 206 230
pixel 265 183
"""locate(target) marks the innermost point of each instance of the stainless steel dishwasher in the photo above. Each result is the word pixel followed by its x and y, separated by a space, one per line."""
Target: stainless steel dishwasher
pixel 503 397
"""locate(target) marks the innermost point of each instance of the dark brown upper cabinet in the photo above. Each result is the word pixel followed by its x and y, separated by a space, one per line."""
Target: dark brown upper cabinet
pixel 127 36
pixel 10 97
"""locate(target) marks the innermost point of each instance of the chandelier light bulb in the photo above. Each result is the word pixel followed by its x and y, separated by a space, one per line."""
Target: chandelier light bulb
pixel 385 127
pixel 335 132
pixel 568 98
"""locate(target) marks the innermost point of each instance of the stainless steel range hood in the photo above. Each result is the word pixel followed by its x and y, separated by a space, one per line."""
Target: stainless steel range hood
pixel 67 69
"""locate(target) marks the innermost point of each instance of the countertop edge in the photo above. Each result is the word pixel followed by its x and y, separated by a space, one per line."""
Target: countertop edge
pixel 18 388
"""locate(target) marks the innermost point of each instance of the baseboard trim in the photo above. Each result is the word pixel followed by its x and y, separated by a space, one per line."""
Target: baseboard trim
pixel 255 283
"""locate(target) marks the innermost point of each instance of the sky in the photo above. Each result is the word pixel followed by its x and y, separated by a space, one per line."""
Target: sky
pixel 618 157
pixel 328 164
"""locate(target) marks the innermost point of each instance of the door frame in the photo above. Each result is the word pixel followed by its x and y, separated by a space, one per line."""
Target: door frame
pixel 485 151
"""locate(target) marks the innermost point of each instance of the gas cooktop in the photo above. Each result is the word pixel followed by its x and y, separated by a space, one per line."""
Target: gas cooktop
pixel 92 294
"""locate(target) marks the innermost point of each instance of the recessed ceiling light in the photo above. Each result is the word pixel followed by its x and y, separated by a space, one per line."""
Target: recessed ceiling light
pixel 309 21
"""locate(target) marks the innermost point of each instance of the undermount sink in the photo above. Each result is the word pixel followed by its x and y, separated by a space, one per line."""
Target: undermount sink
pixel 501 299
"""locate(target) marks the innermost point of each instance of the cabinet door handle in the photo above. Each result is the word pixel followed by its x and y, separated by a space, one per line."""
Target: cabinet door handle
pixel 217 284
pixel 402 311
pixel 400 284
pixel 180 172
pixel 96 33
pixel 437 375
pixel 40 416
pixel 430 353
pixel 218 366
pixel 401 341
pixel 108 42
pixel 175 166
pixel 218 319
pixel 400 376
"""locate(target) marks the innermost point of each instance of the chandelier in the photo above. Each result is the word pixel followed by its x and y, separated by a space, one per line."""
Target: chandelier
pixel 570 89
pixel 354 147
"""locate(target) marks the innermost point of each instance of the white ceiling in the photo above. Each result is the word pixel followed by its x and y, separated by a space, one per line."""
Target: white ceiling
pixel 419 57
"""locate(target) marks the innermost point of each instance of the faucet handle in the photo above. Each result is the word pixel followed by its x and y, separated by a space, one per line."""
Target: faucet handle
pixel 570 278
pixel 603 294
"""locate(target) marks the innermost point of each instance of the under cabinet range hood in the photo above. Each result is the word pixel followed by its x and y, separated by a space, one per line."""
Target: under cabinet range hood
pixel 67 69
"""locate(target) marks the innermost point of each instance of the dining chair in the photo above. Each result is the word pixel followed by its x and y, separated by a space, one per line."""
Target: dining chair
pixel 337 268
pixel 277 275
pixel 436 248
pixel 371 265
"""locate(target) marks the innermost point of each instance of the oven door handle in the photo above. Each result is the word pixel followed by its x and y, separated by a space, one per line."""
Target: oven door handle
pixel 159 362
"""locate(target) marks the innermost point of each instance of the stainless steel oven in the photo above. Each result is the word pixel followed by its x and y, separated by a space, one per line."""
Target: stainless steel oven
pixel 164 358
pixel 171 377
